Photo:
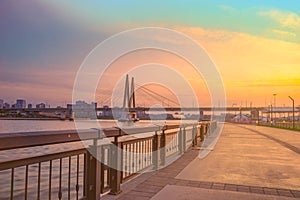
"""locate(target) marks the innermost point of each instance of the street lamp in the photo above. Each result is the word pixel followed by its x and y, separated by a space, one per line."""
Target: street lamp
pixel 234 104
pixel 299 113
pixel 293 111
pixel 274 107
pixel 274 100
pixel 271 115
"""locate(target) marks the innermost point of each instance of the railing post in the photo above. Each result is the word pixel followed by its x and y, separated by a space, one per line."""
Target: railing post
pixel 93 166
pixel 163 148
pixel 215 125
pixel 116 164
pixel 201 132
pixel 184 139
pixel 194 138
pixel 208 128
pixel 180 147
pixel 105 166
pixel 198 131
pixel 155 151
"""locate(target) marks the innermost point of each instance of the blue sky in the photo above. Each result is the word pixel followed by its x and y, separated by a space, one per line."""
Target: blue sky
pixel 41 38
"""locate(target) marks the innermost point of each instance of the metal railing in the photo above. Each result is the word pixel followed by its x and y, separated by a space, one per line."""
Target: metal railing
pixel 287 125
pixel 85 173
pixel 281 124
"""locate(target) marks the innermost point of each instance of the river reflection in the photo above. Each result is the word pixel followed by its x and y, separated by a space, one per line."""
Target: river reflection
pixel 12 126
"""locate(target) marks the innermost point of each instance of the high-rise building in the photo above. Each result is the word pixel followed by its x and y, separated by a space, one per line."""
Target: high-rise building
pixel 1 103
pixel 21 103
pixel 29 105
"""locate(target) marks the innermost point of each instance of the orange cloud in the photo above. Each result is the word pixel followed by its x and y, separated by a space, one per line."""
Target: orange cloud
pixel 252 67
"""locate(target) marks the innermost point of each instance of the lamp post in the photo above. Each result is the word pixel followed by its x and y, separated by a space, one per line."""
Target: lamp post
pixel 271 115
pixel 240 113
pixel 299 114
pixel 274 107
pixel 234 104
pixel 293 111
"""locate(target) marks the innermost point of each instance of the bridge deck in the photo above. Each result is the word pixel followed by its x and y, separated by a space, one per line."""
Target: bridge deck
pixel 248 162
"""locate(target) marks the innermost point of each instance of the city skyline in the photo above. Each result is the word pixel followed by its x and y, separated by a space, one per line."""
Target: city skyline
pixel 29 104
pixel 255 45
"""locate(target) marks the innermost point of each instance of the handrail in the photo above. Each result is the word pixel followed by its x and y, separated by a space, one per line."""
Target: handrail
pixel 138 154
pixel 41 158
pixel 40 138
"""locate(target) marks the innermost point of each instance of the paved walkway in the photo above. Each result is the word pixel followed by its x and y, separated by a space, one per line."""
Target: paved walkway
pixel 248 162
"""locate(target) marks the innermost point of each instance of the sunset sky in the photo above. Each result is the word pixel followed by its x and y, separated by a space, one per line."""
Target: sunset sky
pixel 255 44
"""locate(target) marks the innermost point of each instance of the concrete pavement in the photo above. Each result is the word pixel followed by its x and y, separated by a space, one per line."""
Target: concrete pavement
pixel 190 193
pixel 251 155
pixel 248 162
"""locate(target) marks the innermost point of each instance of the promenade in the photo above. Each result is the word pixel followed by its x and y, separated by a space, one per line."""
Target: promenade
pixel 248 162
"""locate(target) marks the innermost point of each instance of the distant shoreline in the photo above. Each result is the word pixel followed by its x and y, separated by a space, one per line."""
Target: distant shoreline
pixel 21 118
pixel 57 119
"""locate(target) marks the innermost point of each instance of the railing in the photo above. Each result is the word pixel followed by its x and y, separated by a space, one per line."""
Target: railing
pixel 137 156
pixel 85 173
pixel 287 125
pixel 47 168
pixel 284 125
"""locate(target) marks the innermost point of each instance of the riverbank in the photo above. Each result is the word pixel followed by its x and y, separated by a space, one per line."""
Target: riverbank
pixel 25 118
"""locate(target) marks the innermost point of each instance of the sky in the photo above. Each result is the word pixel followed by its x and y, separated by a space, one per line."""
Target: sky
pixel 255 45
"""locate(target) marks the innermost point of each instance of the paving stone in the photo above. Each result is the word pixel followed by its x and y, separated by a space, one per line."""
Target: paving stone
pixel 242 188
pixel 156 183
pixel 230 187
pixel 258 190
pixel 206 185
pixel 163 170
pixel 138 193
pixel 172 181
pixel 159 178
pixel 218 186
pixel 286 193
pixel 182 182
pixel 270 191
pixel 148 188
pixel 193 183
pixel 296 193
pixel 166 174
pixel 130 197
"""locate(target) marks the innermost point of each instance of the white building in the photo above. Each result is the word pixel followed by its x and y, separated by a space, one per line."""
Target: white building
pixel 82 109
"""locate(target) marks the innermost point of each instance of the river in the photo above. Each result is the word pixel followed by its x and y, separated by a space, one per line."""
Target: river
pixel 13 126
